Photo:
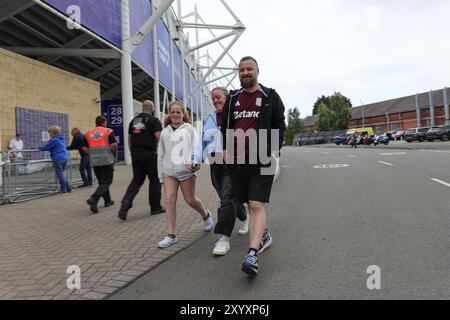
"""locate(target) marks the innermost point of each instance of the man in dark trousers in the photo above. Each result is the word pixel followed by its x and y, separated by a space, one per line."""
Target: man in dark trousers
pixel 85 166
pixel 253 118
pixel 100 144
pixel 143 136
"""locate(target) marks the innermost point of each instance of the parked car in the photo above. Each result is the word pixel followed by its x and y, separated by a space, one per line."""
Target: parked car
pixel 430 135
pixel 441 133
pixel 416 134
pixel 341 139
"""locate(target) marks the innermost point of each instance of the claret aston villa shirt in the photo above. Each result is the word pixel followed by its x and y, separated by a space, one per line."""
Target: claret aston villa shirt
pixel 246 114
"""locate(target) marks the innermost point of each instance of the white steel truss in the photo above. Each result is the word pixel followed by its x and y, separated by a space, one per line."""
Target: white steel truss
pixel 210 75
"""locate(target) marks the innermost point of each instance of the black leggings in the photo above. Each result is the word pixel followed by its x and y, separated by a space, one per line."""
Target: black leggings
pixel 229 208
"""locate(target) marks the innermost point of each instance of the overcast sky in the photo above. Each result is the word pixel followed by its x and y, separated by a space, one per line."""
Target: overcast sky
pixel 369 50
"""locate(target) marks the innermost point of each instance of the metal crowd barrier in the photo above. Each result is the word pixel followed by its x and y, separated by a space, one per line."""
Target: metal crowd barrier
pixel 310 138
pixel 30 174
pixel 3 162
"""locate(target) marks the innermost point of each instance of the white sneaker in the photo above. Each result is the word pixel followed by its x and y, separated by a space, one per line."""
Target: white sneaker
pixel 222 247
pixel 243 230
pixel 208 223
pixel 166 242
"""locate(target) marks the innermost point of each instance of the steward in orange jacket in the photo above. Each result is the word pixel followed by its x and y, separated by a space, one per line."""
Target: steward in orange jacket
pixel 100 144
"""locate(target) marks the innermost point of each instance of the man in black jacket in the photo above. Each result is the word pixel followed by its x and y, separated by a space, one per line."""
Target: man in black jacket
pixel 144 132
pixel 253 131
pixel 85 166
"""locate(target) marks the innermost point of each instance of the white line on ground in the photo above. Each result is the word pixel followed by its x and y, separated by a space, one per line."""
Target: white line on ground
pixel 437 151
pixel 351 156
pixel 286 166
pixel 331 166
pixel 441 182
pixel 386 163
pixel 393 154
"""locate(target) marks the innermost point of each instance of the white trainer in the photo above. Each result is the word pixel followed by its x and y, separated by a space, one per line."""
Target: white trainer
pixel 243 230
pixel 167 242
pixel 222 247
pixel 208 223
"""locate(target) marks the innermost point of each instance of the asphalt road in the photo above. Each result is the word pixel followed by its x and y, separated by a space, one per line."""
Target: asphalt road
pixel 329 226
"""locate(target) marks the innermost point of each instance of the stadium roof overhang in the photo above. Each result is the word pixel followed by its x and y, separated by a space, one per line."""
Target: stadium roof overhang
pixel 30 30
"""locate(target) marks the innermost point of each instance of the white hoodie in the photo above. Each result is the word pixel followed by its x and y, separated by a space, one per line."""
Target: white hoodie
pixel 175 150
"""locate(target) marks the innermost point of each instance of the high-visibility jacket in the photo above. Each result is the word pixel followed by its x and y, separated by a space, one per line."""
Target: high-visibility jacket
pixel 99 148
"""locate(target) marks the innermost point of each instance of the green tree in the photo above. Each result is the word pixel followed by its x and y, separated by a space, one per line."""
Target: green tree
pixel 322 99
pixel 325 121
pixel 334 112
pixel 341 106
pixel 295 124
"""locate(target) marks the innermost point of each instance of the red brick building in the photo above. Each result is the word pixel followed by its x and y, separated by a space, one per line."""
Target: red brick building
pixel 310 122
pixel 402 113
pixel 397 114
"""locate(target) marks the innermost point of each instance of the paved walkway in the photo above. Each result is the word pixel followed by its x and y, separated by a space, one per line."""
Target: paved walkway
pixel 40 239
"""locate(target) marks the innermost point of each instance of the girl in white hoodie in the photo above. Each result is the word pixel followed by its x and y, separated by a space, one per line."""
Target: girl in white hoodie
pixel 174 169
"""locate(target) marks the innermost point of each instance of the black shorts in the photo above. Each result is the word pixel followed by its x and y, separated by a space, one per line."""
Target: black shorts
pixel 249 184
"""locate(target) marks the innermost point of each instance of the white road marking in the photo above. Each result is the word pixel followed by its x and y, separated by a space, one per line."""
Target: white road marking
pixel 441 182
pixel 351 156
pixel 386 163
pixel 331 166
pixel 393 154
pixel 437 151
pixel 286 166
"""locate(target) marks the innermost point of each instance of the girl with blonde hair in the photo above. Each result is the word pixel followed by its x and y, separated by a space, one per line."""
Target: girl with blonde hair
pixel 174 161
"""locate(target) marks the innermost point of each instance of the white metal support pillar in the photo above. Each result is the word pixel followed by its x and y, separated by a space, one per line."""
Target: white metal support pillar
pixel 183 50
pixel 172 63
pixel 126 72
pixel 129 44
pixel 199 118
pixel 156 95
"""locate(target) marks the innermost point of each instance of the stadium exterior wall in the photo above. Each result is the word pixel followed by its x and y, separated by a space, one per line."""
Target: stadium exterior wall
pixel 28 83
